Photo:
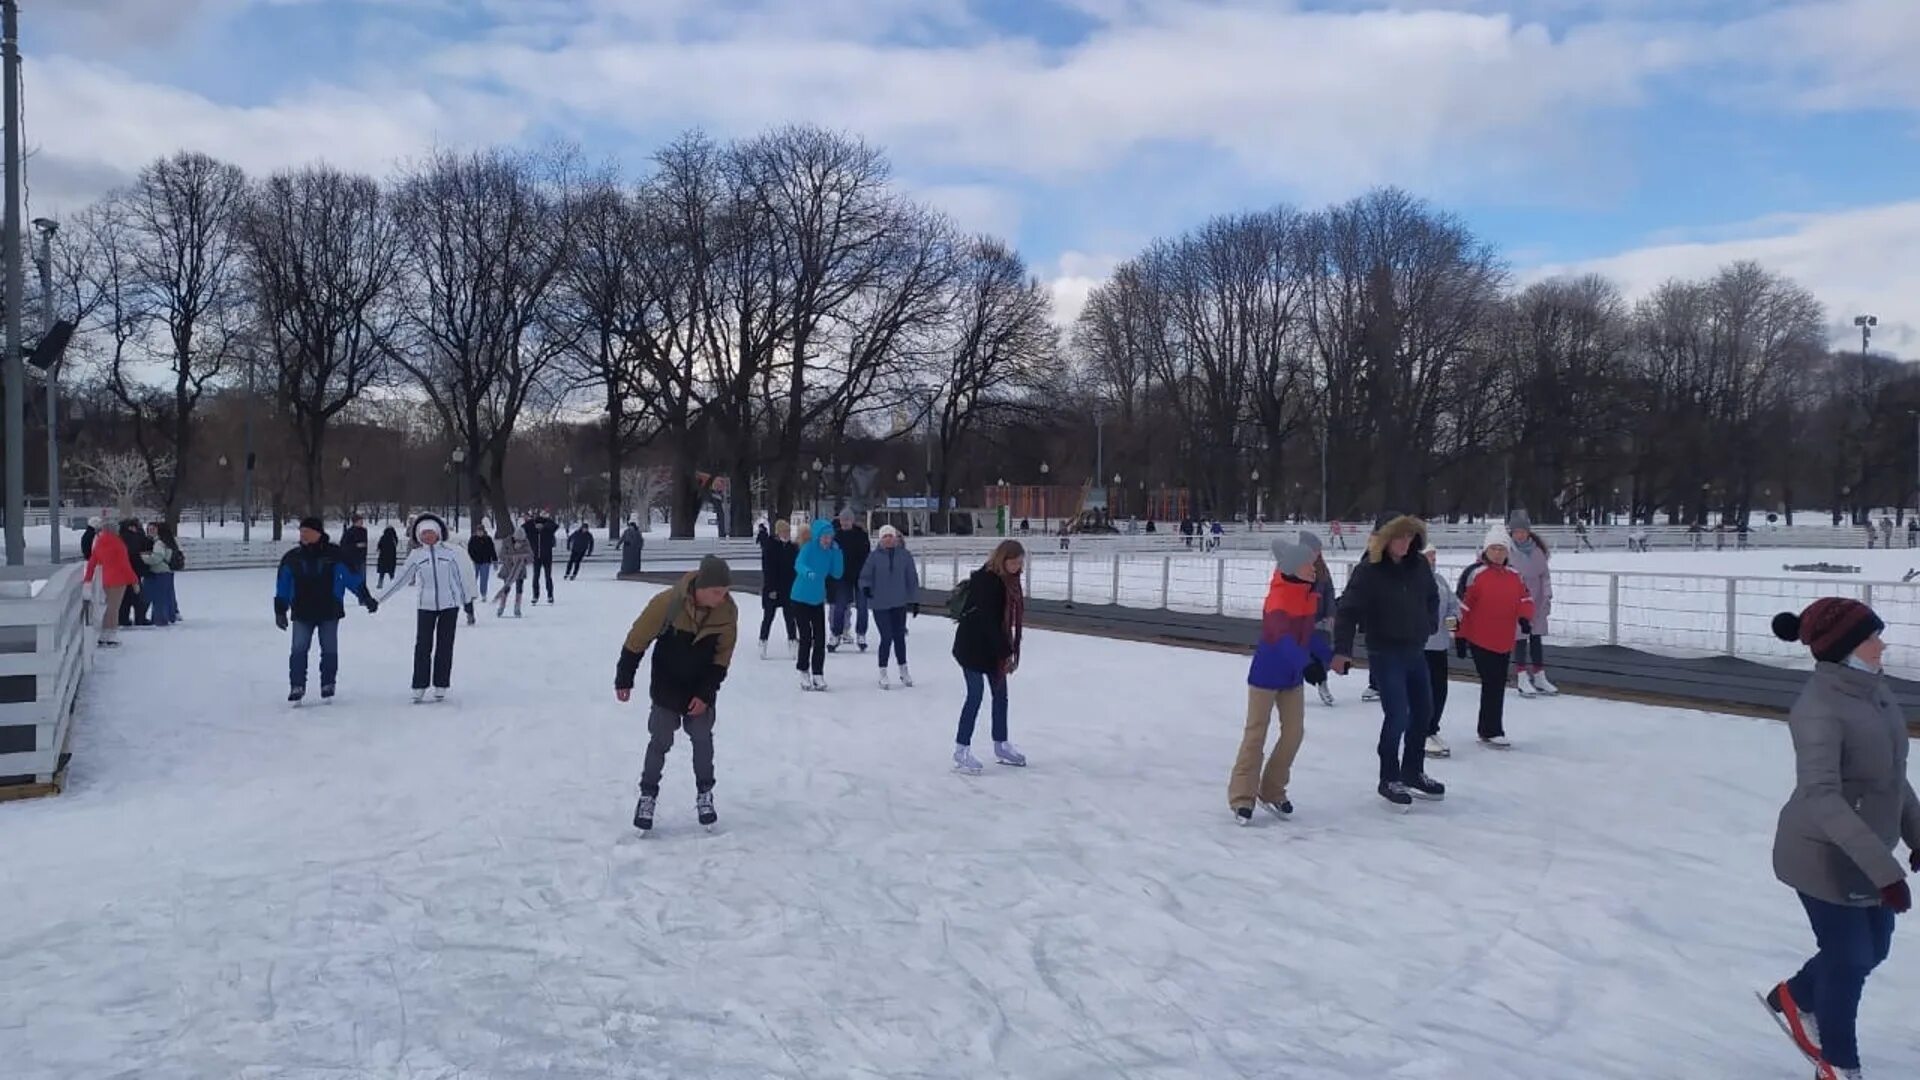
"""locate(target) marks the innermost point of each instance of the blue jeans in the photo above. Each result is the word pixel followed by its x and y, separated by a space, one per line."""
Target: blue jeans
pixel 484 572
pixel 849 595
pixel 160 594
pixel 1400 673
pixel 892 624
pixel 303 634
pixel 1853 941
pixel 977 684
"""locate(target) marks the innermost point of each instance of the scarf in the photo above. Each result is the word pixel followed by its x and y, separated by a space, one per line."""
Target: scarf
pixel 1858 664
pixel 1016 611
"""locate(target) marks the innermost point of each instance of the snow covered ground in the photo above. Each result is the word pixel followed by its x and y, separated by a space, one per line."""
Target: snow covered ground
pixel 235 889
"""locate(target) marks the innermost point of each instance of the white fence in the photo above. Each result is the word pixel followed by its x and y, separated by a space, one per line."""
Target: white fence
pixel 45 650
pixel 1676 614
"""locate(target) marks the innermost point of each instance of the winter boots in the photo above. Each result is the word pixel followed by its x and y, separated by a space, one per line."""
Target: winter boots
pixel 704 804
pixel 643 814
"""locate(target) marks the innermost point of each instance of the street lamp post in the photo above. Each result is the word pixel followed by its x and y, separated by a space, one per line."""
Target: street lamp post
pixel 1866 323
pixel 819 484
pixel 346 474
pixel 567 471
pixel 12 365
pixel 1255 509
pixel 459 467
pixel 47 227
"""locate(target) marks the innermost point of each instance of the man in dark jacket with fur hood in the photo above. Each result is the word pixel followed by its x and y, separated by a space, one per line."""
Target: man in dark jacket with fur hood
pixel 1392 595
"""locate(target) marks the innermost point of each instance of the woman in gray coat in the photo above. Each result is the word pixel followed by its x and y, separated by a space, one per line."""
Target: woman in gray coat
pixel 1851 804
pixel 1528 555
pixel 890 583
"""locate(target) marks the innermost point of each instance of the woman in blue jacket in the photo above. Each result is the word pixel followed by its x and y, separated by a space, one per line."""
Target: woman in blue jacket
pixel 818 562
pixel 891 585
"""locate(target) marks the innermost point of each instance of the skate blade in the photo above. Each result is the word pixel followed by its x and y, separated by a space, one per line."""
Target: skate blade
pixel 1780 1021
pixel 1428 798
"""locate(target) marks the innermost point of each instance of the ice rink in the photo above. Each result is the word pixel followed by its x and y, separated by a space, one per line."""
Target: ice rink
pixel 233 888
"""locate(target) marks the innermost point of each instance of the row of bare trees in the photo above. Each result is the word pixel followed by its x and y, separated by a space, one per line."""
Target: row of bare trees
pixel 741 308
pixel 1378 352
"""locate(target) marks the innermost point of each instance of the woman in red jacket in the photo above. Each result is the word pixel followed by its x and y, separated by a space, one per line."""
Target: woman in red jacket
pixel 1494 608
pixel 109 557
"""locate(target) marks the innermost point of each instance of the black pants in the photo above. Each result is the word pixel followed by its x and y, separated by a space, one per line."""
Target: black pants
pixel 1529 652
pixel 573 567
pixel 661 726
pixel 769 605
pixel 433 648
pixel 134 607
pixel 1492 667
pixel 1437 678
pixel 811 619
pixel 540 565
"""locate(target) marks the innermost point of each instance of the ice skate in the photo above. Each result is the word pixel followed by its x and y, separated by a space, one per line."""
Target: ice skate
pixel 516 607
pixel 1426 787
pixel 905 679
pixel 1525 685
pixel 294 695
pixel 884 684
pixel 1008 754
pixel 862 642
pixel 965 762
pixel 1369 694
pixel 326 692
pixel 1395 793
pixel 1282 809
pixel 833 644
pixel 806 681
pixel 763 648
pixel 1495 742
pixel 1799 1026
pixel 793 648
pixel 820 683
pixel 1541 685
pixel 703 803
pixel 643 814
pixel 1326 694
pixel 419 696
pixel 439 694
pixel 1243 815
pixel 1437 747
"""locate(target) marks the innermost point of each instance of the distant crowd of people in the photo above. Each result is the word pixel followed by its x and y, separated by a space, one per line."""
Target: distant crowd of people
pixel 135 565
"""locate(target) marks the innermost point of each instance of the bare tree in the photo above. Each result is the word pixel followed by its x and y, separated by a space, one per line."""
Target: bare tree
pixel 324 254
pixel 484 237
pixel 123 476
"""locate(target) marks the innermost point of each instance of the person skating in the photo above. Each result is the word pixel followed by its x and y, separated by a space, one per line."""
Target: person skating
pixel 1316 674
pixel 777 554
pixel 484 555
pixel 1529 557
pixel 542 534
pixel 691 629
pixel 515 563
pixel 855 546
pixel 111 560
pixel 1391 594
pixel 159 560
pixel 633 547
pixel 1835 838
pixel 986 645
pixel 135 606
pixel 444 584
pixel 890 584
pixel 1494 605
pixel 1289 646
pixel 309 598
pixel 388 554
pixel 817 566
pixel 353 544
pixel 579 546
pixel 95 524
pixel 1447 615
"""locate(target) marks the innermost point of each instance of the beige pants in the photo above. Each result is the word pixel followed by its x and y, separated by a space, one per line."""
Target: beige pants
pixel 1249 779
pixel 110 618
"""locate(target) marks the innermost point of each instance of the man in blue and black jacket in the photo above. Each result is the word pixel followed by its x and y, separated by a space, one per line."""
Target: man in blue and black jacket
pixel 309 597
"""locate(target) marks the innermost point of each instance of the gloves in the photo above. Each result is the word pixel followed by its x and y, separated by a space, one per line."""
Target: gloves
pixel 1897 898
pixel 914 608
pixel 469 613
pixel 372 605
pixel 868 593
pixel 1913 859
pixel 1460 647
pixel 1315 672
pixel 1526 627
pixel 280 619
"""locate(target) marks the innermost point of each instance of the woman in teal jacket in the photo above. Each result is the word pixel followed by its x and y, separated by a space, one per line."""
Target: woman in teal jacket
pixel 818 562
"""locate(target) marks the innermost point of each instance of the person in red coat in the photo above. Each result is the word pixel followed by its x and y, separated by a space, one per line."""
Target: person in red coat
pixel 109 557
pixel 1495 609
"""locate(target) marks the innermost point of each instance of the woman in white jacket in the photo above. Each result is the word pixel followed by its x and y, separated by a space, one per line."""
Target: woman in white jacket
pixel 443 577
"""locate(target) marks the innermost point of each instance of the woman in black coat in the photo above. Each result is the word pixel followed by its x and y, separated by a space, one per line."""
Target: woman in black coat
pixel 986 645
pixel 777 555
pixel 388 555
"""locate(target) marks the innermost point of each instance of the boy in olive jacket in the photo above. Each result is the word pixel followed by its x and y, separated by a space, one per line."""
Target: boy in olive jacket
pixel 691 629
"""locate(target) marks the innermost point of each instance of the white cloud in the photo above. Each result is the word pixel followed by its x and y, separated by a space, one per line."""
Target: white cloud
pixel 975 208
pixel 1072 280
pixel 1855 261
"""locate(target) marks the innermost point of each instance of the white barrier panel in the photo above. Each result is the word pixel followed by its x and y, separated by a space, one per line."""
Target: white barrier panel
pixel 46 648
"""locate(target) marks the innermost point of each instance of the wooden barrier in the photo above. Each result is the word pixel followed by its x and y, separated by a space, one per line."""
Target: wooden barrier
pixel 46 649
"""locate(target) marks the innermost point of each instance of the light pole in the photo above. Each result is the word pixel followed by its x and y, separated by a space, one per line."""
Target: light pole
pixel 567 471
pixel 346 477
pixel 14 366
pixel 819 484
pixel 459 467
pixel 1116 487
pixel 1256 497
pixel 224 465
pixel 1866 323
pixel 47 227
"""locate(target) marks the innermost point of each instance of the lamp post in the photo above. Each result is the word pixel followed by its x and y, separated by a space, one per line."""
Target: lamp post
pixel 46 227
pixel 1116 487
pixel 567 471
pixel 1866 323
pixel 1255 511
pixel 459 467
pixel 12 366
pixel 346 474
pixel 819 484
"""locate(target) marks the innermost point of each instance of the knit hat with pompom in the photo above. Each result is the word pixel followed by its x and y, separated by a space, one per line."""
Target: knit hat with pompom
pixel 1830 627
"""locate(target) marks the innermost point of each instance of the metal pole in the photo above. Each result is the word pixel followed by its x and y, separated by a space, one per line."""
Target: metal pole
pixel 16 377
pixel 53 397
pixel 1323 469
pixel 246 461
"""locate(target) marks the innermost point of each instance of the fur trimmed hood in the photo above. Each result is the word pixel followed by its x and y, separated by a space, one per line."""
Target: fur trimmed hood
pixel 1404 525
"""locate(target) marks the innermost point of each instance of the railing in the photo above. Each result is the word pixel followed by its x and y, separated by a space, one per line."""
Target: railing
pixel 1677 614
pixel 46 648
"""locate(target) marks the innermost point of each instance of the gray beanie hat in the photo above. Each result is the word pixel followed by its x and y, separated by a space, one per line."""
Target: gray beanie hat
pixel 1519 520
pixel 1291 555
pixel 713 573
pixel 1312 540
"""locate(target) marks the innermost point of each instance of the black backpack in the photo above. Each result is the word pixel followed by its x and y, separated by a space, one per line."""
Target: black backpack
pixel 960 600
pixel 178 561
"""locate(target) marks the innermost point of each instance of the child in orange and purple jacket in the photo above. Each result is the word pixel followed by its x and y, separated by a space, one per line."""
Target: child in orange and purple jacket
pixel 1288 653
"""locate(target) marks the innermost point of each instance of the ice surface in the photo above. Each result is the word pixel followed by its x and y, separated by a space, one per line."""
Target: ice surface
pixel 374 889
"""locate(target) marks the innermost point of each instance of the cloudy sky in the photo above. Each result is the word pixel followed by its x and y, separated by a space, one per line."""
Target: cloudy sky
pixel 1644 138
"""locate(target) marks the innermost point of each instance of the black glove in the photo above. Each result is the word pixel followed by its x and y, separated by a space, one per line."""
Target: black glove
pixel 280 619
pixel 1526 627
pixel 914 608
pixel 1315 672
pixel 1460 647
pixel 371 605
pixel 469 613
pixel 868 593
